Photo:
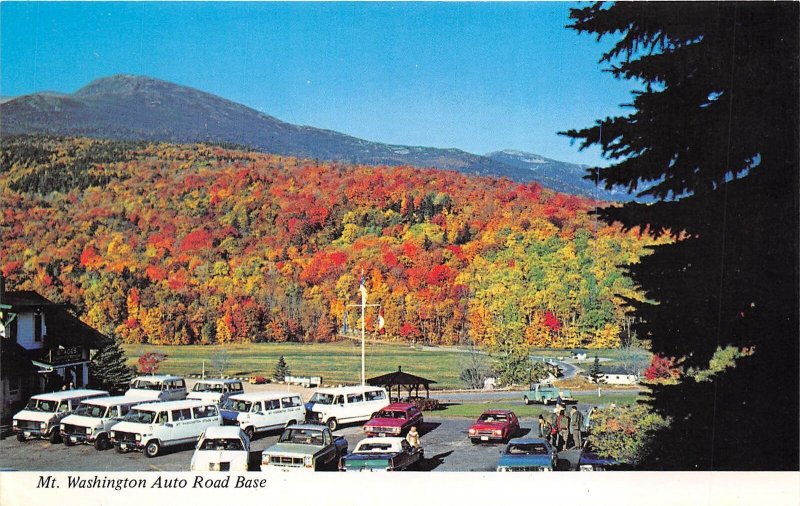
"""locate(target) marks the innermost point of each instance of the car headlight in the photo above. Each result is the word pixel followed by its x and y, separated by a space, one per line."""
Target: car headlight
pixel 264 460
pixel 472 431
pixel 546 469
pixel 213 466
pixel 112 434
pixel 396 430
pixel 308 460
pixel 497 432
pixel 14 422
pixel 138 437
pixel 89 431
pixel 43 424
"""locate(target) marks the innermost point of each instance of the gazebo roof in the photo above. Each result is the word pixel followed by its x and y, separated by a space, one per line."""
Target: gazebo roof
pixel 399 378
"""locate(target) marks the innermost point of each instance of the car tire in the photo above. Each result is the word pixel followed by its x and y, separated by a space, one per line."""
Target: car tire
pixel 101 443
pixel 55 437
pixel 332 424
pixel 21 437
pixel 251 432
pixel 474 441
pixel 526 400
pixel 152 449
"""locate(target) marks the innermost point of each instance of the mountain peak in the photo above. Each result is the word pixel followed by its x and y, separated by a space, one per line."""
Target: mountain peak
pixel 124 84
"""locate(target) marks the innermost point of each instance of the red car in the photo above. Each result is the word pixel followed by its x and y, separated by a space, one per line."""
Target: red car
pixel 393 420
pixel 494 425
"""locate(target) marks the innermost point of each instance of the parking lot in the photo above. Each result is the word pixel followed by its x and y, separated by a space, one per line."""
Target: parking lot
pixel 445 441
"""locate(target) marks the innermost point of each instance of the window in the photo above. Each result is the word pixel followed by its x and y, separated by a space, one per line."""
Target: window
pixel 291 402
pixel 37 326
pixel 351 398
pixel 123 410
pixel 203 411
pixel 272 404
pixel 235 387
pixel 181 414
pixel 375 395
pixel 256 407
pixel 12 330
pixel 339 399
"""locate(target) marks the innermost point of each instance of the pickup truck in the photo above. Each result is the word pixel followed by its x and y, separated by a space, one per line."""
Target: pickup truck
pixel 309 447
pixel 546 394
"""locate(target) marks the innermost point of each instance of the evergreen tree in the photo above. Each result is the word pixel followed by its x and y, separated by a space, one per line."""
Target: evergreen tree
pixel 107 369
pixel 281 370
pixel 595 375
pixel 712 138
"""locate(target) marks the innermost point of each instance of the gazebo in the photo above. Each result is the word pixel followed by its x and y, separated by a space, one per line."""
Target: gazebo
pixel 402 379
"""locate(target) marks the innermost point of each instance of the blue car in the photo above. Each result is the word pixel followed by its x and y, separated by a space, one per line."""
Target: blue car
pixel 528 454
pixel 592 461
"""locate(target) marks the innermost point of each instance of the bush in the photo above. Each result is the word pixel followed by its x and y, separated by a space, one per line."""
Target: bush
pixel 625 433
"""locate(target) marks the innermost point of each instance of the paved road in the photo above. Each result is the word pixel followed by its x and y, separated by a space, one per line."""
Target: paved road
pixel 447 448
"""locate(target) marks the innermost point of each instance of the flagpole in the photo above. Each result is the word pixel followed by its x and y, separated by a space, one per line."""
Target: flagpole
pixel 363 308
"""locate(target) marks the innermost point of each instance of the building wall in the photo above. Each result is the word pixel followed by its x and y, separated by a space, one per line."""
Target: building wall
pixel 620 379
pixel 25 331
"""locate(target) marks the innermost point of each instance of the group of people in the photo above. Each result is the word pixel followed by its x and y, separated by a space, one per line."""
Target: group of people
pixel 562 428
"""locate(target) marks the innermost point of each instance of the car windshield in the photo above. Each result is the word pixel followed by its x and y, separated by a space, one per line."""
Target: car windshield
pixel 321 398
pixel 92 411
pixel 374 447
pixel 236 405
pixel 302 436
pixel 222 444
pixel 143 384
pixel 42 405
pixel 491 417
pixel 140 416
pixel 391 414
pixel 207 387
pixel 527 449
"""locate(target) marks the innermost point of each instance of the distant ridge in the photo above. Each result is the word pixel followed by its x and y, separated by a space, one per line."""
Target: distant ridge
pixel 127 107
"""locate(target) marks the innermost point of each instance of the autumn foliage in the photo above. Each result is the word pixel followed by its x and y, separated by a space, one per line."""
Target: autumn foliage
pixel 180 244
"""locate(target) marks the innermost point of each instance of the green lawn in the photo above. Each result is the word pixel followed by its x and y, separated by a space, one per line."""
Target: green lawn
pixel 338 362
pixel 474 409
pixel 335 362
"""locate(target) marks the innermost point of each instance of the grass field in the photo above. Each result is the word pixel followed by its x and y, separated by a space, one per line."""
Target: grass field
pixel 335 362
pixel 338 362
pixel 474 409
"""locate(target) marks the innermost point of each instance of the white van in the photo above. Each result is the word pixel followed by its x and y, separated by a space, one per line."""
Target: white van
pixel 263 411
pixel 333 406
pixel 42 416
pixel 92 420
pixel 149 427
pixel 217 390
pixel 158 388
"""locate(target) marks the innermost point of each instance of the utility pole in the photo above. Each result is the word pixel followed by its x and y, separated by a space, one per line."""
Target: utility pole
pixel 363 307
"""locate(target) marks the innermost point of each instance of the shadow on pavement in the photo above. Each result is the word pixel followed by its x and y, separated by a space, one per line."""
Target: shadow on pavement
pixel 426 427
pixel 430 463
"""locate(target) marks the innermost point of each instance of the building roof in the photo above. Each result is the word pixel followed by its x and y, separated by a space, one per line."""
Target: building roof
pixel 399 378
pixel 615 369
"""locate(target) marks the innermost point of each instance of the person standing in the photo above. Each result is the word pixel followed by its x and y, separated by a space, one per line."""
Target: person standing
pixel 544 428
pixel 563 429
pixel 575 425
pixel 413 437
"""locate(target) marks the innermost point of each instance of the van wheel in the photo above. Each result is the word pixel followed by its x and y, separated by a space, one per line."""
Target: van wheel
pixel 101 443
pixel 55 437
pixel 251 432
pixel 332 424
pixel 21 437
pixel 526 401
pixel 152 449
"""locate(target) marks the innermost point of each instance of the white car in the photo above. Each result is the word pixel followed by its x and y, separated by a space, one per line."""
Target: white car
pixel 158 388
pixel 42 416
pixel 92 420
pixel 333 406
pixel 222 449
pixel 216 390
pixel 259 412
pixel 149 427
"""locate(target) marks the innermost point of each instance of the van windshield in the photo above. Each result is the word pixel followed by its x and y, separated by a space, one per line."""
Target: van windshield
pixel 143 384
pixel 236 405
pixel 42 405
pixel 207 387
pixel 91 411
pixel 141 416
pixel 321 398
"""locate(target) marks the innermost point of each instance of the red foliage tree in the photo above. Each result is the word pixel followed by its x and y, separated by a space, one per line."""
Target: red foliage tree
pixel 662 368
pixel 150 362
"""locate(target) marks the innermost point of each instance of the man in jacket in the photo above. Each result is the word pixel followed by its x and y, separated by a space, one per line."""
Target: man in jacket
pixel 575 425
pixel 563 429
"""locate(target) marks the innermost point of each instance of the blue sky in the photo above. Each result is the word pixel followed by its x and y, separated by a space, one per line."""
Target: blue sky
pixel 475 76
